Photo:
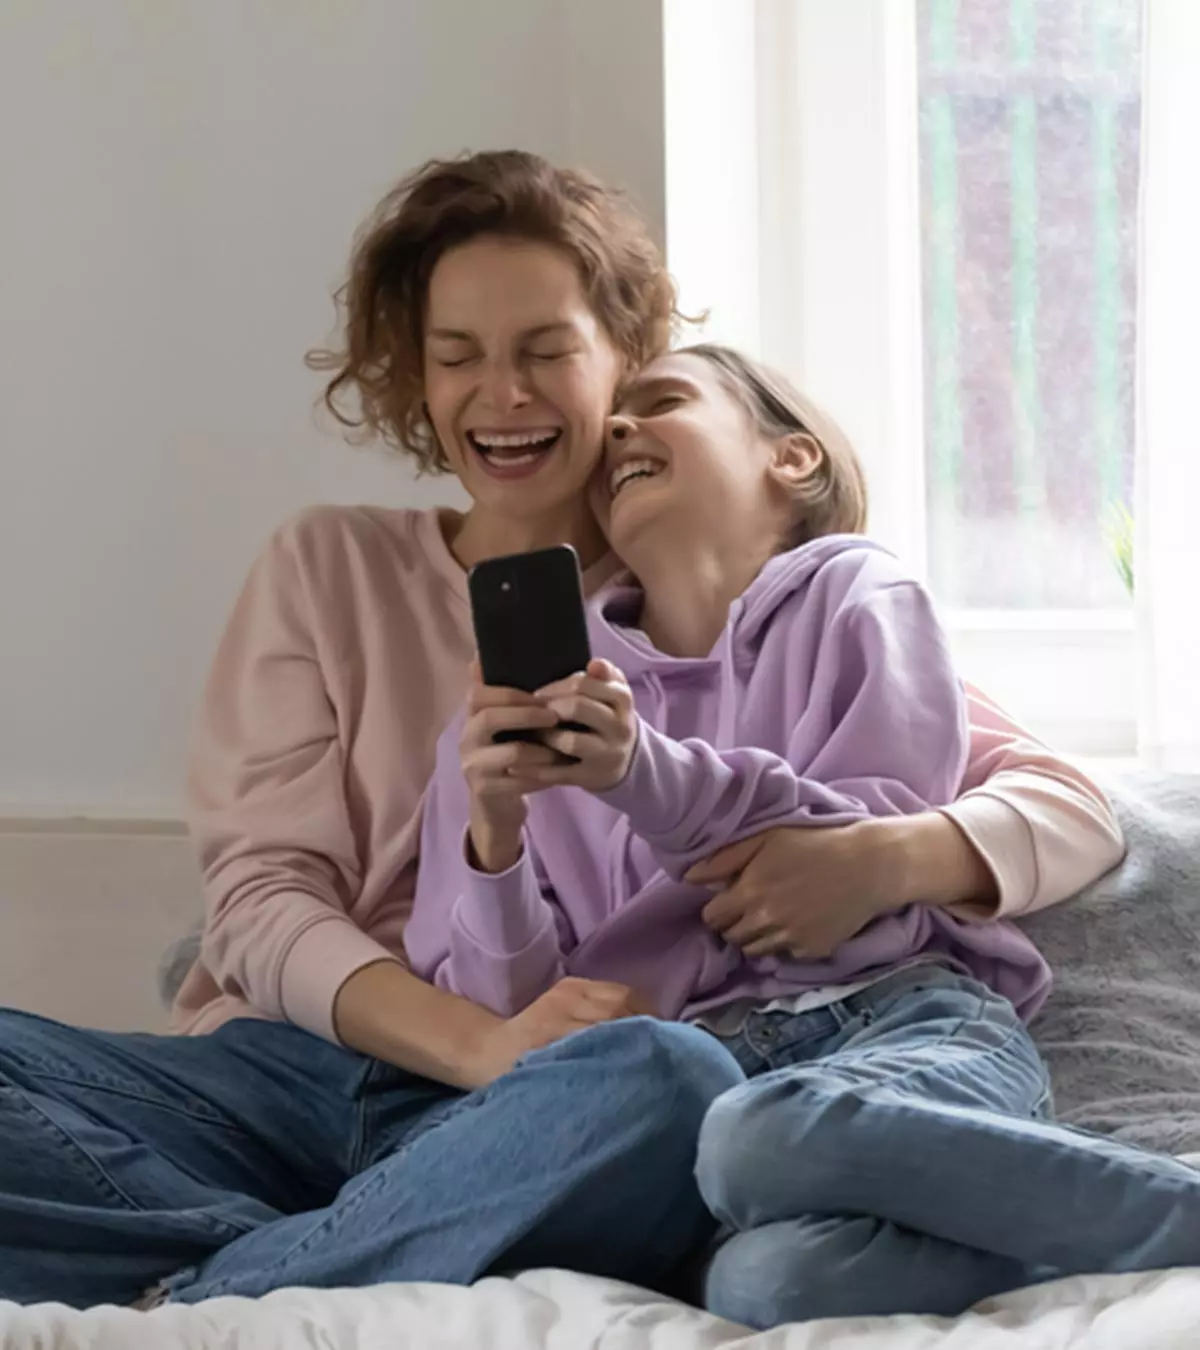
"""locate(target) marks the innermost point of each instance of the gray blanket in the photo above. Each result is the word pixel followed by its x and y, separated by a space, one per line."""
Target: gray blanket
pixel 1121 1031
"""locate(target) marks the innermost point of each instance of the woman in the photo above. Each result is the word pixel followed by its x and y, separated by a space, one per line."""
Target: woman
pixel 492 307
pixel 893 1150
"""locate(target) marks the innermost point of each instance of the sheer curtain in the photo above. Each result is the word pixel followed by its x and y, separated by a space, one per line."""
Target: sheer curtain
pixel 1167 492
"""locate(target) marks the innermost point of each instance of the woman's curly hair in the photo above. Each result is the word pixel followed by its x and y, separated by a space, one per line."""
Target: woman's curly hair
pixel 379 367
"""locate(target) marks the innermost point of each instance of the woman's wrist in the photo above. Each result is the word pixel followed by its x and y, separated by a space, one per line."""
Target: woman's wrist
pixel 386 1011
pixel 934 863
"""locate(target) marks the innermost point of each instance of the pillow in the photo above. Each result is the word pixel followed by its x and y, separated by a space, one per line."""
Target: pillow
pixel 176 961
pixel 1121 1030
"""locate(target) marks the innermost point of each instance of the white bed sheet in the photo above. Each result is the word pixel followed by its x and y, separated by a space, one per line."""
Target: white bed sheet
pixel 558 1310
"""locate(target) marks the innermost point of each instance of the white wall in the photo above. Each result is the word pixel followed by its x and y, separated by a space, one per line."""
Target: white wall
pixel 86 916
pixel 180 183
pixel 713 157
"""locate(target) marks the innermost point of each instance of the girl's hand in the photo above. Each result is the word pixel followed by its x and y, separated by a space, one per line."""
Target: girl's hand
pixel 600 701
pixel 499 775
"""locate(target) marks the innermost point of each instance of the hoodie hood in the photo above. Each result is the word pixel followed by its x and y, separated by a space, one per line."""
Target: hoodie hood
pixel 701 695
pixel 616 611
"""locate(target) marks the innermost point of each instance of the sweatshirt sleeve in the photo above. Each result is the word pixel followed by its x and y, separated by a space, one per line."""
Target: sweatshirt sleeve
pixel 495 938
pixel 883 733
pixel 1042 826
pixel 505 943
pixel 268 811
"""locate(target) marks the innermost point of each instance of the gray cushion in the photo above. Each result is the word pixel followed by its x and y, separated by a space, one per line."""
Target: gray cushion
pixel 1121 1031
pixel 176 961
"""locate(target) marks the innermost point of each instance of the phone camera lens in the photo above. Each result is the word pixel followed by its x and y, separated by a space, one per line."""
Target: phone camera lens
pixel 506 587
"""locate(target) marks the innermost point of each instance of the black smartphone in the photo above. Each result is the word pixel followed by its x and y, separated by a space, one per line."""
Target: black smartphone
pixel 530 623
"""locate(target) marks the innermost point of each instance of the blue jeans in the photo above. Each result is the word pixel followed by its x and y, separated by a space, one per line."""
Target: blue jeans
pixel 260 1157
pixel 893 1153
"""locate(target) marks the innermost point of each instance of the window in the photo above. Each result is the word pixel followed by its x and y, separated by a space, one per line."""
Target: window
pixel 1029 116
pixel 925 212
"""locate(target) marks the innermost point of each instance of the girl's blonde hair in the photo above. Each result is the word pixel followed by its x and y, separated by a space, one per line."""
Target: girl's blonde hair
pixel 833 499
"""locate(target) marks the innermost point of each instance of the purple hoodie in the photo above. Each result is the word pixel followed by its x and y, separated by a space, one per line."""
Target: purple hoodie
pixel 829 696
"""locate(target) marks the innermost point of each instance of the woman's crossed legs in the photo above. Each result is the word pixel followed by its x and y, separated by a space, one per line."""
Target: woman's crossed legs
pixel 261 1157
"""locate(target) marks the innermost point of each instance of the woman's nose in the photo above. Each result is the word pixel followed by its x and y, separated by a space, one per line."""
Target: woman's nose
pixel 505 386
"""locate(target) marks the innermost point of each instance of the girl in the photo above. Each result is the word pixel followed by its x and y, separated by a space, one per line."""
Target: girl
pixel 287 1137
pixel 892 1151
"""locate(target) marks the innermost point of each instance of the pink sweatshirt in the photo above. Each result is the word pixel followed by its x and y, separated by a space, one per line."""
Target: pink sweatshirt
pixel 344 658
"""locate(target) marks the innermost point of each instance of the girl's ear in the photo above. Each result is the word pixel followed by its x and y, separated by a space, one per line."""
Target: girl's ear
pixel 795 459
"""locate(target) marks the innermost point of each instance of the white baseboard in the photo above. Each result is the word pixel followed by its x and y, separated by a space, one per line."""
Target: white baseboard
pixel 24 819
pixel 87 907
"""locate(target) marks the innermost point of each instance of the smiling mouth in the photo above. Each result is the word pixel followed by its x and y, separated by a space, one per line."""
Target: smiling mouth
pixel 632 471
pixel 514 453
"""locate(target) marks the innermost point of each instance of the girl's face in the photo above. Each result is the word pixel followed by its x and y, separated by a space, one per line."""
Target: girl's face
pixel 519 374
pixel 684 457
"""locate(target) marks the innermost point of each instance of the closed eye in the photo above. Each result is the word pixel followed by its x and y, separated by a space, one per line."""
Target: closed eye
pixel 453 353
pixel 665 404
pixel 549 356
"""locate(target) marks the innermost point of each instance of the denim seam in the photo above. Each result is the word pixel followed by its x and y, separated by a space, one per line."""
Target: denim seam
pixel 130 1094
pixel 358 1145
pixel 87 1164
pixel 83 1161
pixel 374 1069
pixel 336 1219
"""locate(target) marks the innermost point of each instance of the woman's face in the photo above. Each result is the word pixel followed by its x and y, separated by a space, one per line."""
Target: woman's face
pixel 519 374
pixel 684 457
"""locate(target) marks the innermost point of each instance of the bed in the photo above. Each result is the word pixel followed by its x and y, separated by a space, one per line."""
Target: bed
pixel 555 1310
pixel 1122 1034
